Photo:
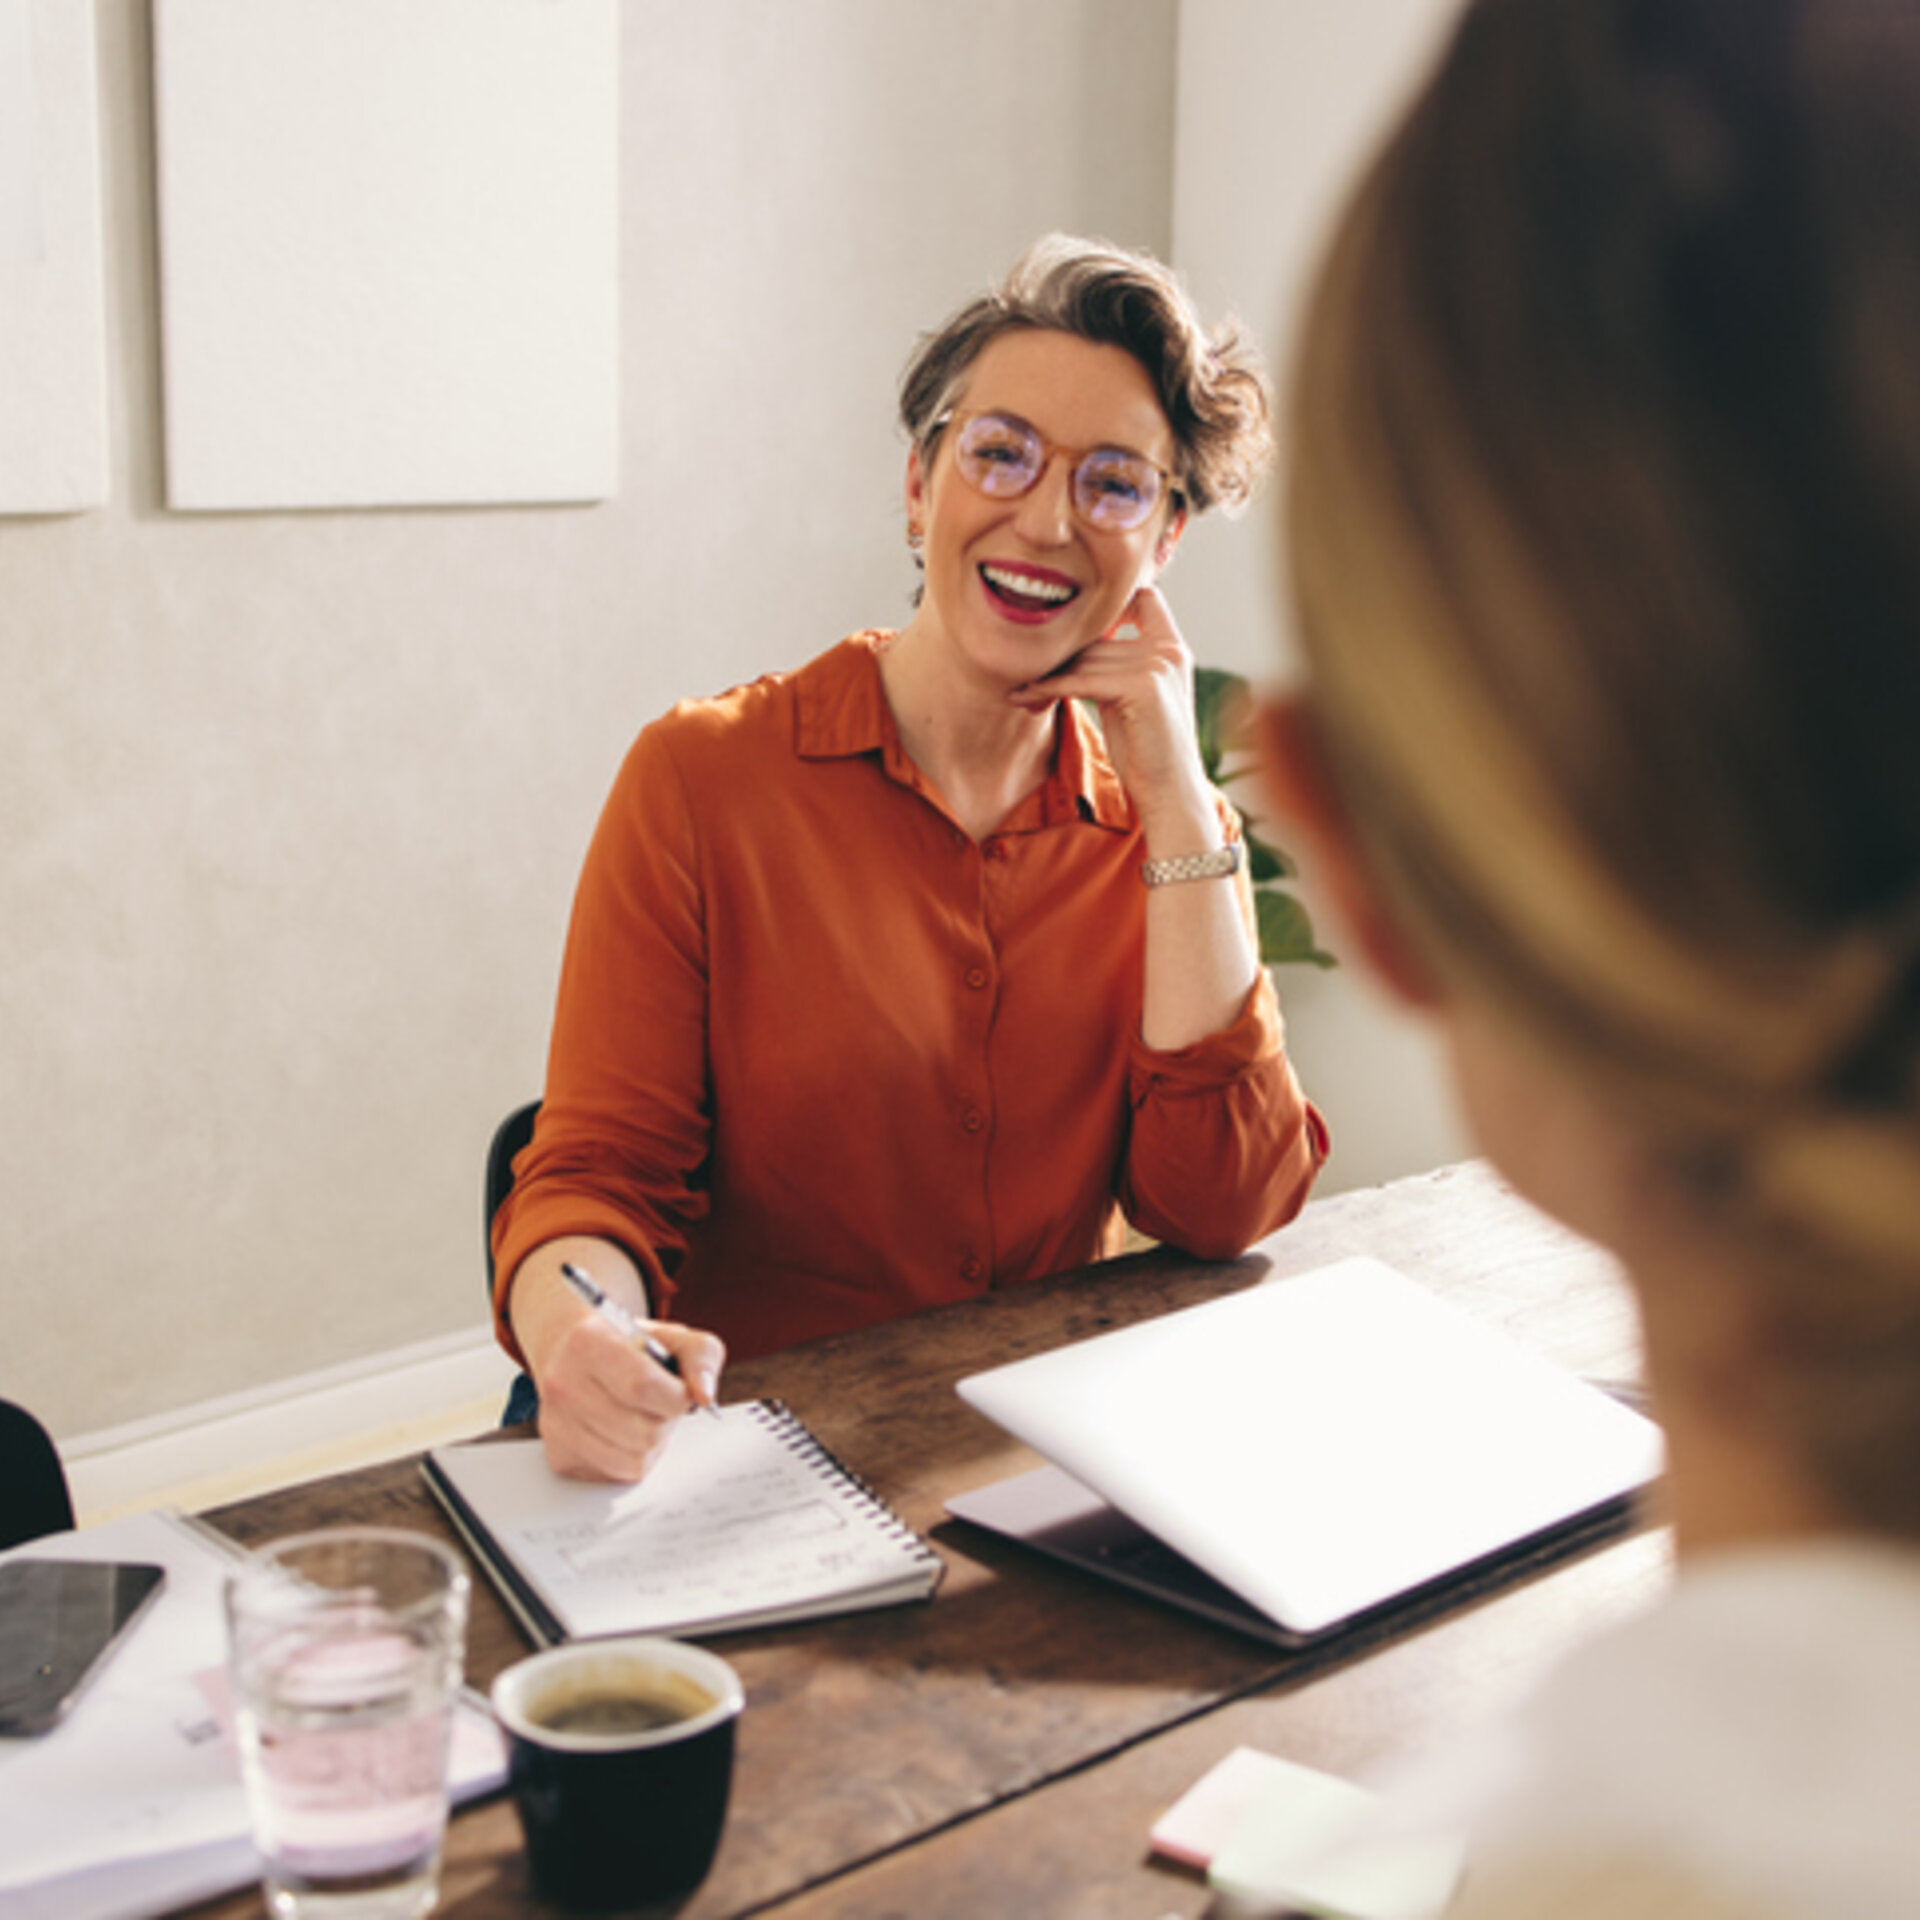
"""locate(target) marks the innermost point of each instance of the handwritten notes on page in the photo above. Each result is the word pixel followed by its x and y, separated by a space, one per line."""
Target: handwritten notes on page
pixel 747 1520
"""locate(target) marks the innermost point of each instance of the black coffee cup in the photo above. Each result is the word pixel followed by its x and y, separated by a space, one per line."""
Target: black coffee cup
pixel 620 1757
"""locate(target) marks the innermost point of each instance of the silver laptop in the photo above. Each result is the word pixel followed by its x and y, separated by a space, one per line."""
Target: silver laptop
pixel 1315 1447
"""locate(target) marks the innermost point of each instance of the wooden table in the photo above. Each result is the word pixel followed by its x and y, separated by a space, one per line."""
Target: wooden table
pixel 1003 1750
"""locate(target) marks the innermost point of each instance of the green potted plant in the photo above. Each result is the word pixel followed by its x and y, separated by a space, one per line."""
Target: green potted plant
pixel 1223 707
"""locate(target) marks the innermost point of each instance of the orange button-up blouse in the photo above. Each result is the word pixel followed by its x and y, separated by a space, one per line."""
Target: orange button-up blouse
pixel 820 1058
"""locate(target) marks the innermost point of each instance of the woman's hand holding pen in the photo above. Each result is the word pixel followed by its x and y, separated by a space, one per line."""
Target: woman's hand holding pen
pixel 612 1381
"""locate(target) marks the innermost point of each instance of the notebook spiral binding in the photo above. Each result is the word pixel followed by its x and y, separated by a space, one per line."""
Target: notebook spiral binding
pixel 801 1439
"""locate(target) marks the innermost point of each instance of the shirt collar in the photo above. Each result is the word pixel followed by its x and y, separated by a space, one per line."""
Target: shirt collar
pixel 840 709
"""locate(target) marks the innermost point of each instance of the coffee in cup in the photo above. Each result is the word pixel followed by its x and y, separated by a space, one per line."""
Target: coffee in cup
pixel 620 1757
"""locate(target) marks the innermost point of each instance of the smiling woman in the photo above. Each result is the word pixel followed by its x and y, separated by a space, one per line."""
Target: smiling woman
pixel 896 978
pixel 1026 565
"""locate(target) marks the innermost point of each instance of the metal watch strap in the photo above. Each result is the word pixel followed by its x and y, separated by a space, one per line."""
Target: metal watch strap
pixel 1193 866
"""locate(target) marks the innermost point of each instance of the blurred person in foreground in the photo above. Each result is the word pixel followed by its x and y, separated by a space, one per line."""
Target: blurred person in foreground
pixel 1604 532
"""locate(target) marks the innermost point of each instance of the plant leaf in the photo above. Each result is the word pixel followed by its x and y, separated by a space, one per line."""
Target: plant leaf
pixel 1220 704
pixel 1265 861
pixel 1286 932
pixel 1223 710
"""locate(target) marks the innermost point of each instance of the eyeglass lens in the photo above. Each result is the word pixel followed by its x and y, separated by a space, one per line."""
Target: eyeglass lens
pixel 1005 458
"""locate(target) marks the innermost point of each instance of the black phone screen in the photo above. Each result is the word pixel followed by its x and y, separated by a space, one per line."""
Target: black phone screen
pixel 58 1620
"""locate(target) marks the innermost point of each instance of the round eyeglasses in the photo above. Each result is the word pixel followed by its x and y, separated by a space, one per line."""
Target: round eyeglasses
pixel 1002 456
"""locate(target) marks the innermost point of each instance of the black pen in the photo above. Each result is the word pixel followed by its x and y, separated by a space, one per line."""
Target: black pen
pixel 615 1315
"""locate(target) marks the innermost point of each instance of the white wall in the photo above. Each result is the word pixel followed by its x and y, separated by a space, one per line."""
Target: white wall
pixel 291 805
pixel 1279 102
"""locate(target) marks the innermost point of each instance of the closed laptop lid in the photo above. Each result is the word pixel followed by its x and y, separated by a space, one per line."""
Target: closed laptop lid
pixel 1325 1443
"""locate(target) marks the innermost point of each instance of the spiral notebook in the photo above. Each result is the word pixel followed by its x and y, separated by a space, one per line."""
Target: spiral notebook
pixel 747 1521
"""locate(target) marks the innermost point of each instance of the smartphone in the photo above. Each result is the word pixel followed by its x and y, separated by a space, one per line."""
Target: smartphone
pixel 59 1619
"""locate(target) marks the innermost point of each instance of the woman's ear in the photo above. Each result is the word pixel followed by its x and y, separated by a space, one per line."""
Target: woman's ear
pixel 916 498
pixel 1169 539
pixel 1300 781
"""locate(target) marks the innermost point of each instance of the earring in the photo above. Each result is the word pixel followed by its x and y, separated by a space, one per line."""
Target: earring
pixel 916 536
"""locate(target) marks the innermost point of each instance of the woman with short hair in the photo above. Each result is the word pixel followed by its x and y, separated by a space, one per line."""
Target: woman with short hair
pixel 865 1006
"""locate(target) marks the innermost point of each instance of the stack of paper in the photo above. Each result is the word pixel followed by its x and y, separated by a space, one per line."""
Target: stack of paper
pixel 132 1805
pixel 1277 1837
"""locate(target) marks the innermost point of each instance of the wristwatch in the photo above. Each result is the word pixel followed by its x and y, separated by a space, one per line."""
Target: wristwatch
pixel 1194 866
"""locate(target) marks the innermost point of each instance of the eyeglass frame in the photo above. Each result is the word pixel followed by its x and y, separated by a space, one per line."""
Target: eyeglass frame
pixel 1169 480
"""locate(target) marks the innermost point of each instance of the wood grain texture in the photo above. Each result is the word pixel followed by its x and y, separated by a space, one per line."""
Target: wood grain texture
pixel 1003 1748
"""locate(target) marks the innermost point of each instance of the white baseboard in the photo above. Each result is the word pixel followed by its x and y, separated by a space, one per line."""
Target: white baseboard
pixel 289 1430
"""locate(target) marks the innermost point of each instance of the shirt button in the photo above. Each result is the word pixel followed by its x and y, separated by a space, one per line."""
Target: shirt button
pixel 971 1268
pixel 976 976
pixel 996 849
pixel 973 1120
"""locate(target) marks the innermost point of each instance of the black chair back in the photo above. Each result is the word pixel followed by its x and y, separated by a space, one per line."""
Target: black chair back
pixel 509 1137
pixel 34 1500
pixel 513 1133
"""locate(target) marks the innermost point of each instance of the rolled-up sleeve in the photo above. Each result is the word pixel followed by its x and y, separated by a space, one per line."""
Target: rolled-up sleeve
pixel 1224 1146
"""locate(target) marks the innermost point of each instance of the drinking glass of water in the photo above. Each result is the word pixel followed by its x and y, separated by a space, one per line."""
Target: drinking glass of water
pixel 344 1651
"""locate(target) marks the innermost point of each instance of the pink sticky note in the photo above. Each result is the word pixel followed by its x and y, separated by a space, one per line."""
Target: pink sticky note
pixel 1192 1830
